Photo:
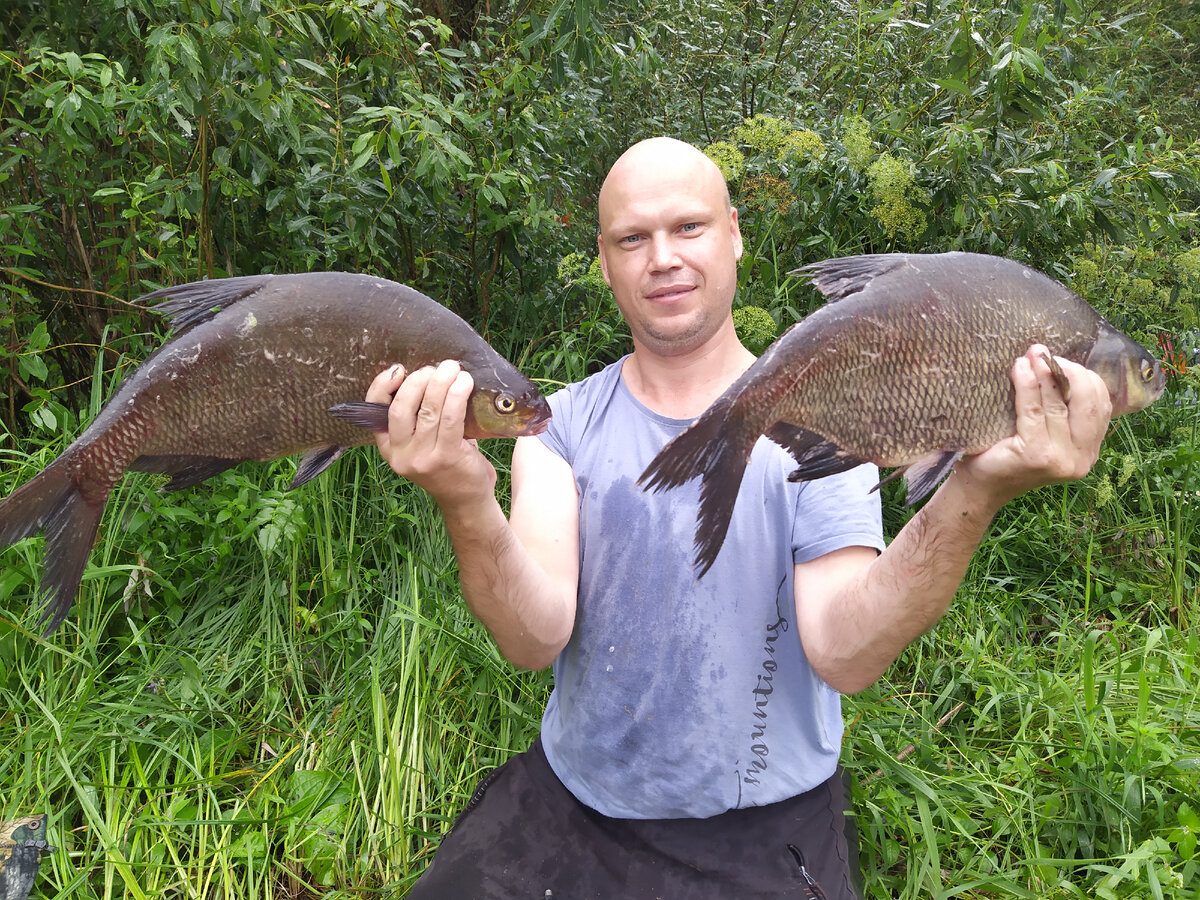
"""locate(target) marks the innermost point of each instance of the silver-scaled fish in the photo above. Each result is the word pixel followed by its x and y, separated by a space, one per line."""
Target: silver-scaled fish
pixel 258 367
pixel 908 365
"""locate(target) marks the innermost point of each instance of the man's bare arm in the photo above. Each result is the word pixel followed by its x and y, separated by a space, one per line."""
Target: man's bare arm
pixel 858 611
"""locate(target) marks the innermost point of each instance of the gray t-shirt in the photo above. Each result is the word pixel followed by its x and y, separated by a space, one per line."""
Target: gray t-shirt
pixel 678 697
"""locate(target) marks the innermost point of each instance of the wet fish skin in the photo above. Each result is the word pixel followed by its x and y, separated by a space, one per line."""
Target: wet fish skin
pixel 250 373
pixel 908 365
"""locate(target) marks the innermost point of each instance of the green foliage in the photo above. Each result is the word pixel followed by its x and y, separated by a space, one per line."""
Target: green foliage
pixel 729 159
pixel 258 694
pixel 1048 772
pixel 1141 287
pixel 856 139
pixel 755 328
pixel 333 703
pixel 772 136
pixel 588 331
pixel 894 188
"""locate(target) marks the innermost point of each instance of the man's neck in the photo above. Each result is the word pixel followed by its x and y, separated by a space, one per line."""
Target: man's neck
pixel 683 386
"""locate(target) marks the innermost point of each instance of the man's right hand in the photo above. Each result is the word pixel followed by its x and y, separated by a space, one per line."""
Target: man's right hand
pixel 424 441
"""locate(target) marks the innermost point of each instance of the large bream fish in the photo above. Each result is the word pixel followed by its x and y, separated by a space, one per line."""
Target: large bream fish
pixel 908 365
pixel 258 367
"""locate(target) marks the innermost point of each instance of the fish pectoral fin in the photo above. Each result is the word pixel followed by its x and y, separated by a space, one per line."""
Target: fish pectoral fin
pixel 186 471
pixel 1060 377
pixel 794 439
pixel 925 474
pixel 362 414
pixel 313 463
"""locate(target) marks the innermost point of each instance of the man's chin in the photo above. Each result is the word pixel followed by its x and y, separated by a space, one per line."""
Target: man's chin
pixel 676 335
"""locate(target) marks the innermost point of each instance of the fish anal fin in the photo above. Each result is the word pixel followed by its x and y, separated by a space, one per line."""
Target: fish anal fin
pixel 314 462
pixel 192 304
pixel 186 471
pixel 362 414
pixel 794 439
pixel 815 456
pixel 925 474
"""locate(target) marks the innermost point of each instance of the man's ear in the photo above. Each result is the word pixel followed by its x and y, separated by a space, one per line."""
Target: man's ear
pixel 736 232
pixel 603 261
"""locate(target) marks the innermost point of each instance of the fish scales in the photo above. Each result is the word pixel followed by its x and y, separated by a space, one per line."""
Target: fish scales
pixel 907 366
pixel 303 342
pixel 942 355
pixel 259 367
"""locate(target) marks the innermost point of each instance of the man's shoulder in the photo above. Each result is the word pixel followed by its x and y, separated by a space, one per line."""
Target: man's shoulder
pixel 583 393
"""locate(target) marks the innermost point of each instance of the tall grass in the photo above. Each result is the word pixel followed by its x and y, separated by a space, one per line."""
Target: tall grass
pixel 263 694
pixel 257 694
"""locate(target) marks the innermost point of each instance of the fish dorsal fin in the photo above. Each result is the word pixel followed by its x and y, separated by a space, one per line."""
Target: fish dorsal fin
pixel 839 278
pixel 195 303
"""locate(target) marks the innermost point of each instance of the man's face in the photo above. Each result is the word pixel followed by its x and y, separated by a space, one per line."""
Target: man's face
pixel 669 245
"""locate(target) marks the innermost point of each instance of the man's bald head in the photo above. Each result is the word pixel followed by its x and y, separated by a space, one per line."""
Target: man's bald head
pixel 669 244
pixel 656 160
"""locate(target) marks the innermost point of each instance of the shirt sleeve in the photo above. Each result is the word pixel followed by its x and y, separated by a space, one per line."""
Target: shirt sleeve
pixel 556 435
pixel 838 511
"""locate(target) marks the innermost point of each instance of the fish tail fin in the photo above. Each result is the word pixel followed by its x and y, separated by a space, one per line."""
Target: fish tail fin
pixel 52 503
pixel 709 448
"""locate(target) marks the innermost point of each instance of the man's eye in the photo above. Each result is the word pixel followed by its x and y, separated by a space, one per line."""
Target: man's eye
pixel 631 239
pixel 690 227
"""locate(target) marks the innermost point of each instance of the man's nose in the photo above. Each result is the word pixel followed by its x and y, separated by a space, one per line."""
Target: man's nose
pixel 664 254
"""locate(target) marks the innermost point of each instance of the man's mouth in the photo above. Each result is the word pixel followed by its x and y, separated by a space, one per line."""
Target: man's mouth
pixel 670 293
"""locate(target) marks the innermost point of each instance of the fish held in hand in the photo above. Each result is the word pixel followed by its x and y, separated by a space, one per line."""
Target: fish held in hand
pixel 257 367
pixel 908 365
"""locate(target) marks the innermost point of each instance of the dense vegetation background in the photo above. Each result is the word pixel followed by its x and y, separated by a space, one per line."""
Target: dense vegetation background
pixel 270 694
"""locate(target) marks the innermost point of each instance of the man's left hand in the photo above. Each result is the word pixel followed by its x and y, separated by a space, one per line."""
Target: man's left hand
pixel 1056 439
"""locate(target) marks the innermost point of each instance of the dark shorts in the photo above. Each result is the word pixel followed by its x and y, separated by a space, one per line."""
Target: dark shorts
pixel 523 836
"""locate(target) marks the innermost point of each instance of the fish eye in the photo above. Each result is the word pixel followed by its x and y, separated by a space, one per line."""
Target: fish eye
pixel 504 403
pixel 1147 371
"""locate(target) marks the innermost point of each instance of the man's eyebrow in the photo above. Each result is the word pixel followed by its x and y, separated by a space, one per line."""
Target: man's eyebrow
pixel 636 224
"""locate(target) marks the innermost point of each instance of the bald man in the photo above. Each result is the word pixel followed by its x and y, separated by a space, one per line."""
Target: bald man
pixel 690 746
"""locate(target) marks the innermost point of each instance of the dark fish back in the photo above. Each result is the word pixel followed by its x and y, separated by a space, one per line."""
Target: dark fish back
pixel 907 365
pixel 923 340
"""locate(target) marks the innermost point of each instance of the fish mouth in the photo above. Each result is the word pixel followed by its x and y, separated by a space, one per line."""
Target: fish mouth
pixel 539 421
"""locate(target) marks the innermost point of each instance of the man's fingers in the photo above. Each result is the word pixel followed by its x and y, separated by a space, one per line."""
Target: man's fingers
pixel 381 389
pixel 1061 438
pixel 454 408
pixel 420 405
pixel 404 413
